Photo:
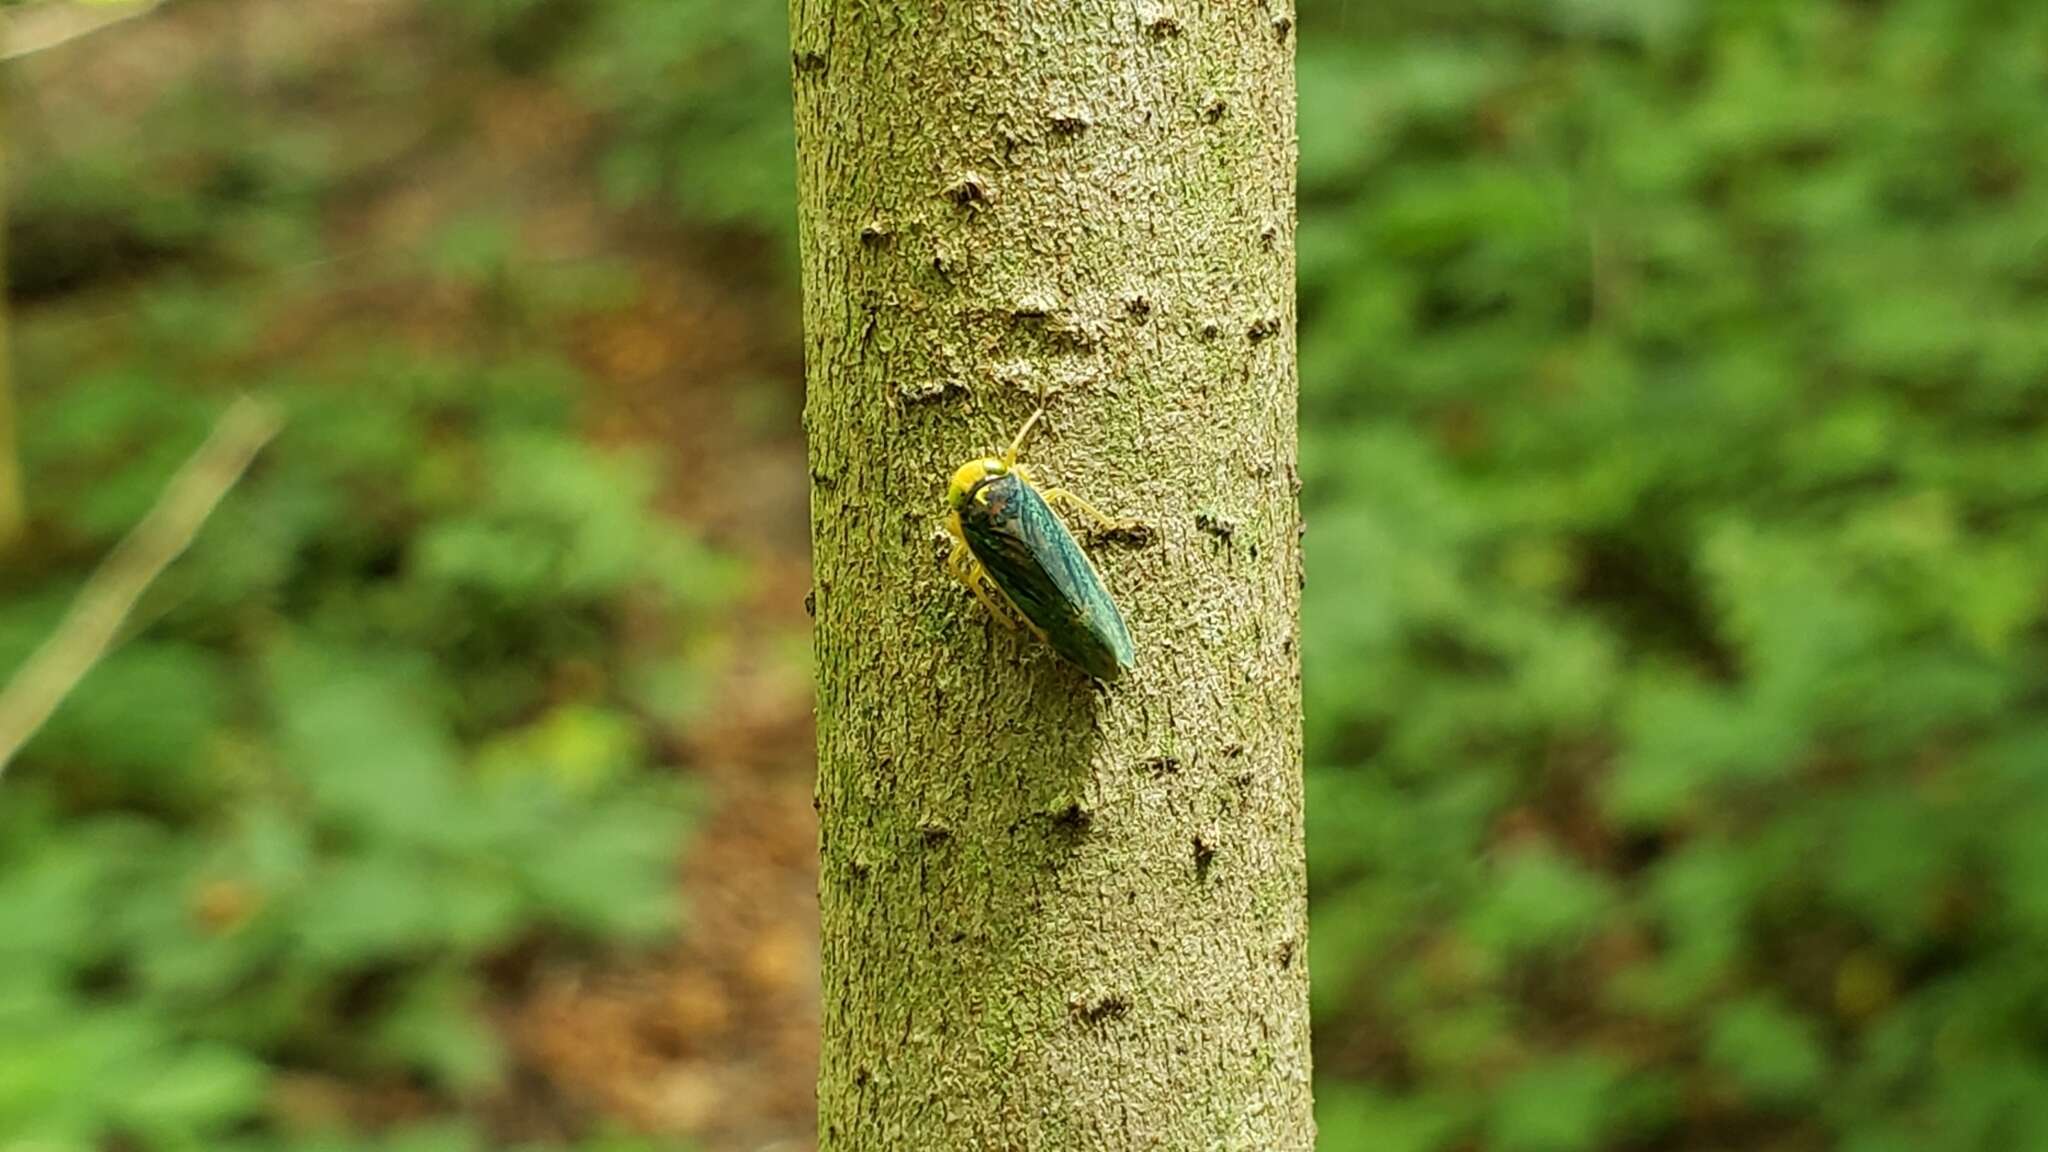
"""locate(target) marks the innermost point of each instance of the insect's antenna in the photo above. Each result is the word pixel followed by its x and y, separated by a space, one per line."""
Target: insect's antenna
pixel 1017 445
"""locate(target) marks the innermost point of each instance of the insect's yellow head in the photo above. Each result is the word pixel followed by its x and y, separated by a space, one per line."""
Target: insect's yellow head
pixel 960 489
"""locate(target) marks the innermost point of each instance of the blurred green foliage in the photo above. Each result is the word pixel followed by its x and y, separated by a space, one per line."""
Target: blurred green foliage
pixel 377 730
pixel 1675 377
pixel 695 95
pixel 392 736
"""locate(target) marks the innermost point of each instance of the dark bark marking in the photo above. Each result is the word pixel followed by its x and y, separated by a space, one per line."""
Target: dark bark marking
pixel 1071 123
pixel 929 391
pixel 969 190
pixel 1130 533
pixel 1216 524
pixel 1096 1009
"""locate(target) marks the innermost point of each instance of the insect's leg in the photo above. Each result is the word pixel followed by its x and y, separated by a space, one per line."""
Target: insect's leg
pixel 991 597
pixel 1103 521
pixel 962 566
pixel 956 563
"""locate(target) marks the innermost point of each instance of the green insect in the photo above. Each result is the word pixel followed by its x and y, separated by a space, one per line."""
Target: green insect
pixel 1020 561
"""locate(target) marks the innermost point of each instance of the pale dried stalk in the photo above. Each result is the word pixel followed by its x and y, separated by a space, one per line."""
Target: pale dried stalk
pixel 40 27
pixel 89 629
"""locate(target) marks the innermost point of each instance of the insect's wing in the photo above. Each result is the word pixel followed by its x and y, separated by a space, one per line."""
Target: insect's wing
pixel 1038 564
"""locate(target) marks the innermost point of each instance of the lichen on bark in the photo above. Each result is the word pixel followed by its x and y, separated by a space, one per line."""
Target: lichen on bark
pixel 1056 915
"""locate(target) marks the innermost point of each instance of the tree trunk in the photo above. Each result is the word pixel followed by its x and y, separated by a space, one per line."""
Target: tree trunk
pixel 12 511
pixel 1056 915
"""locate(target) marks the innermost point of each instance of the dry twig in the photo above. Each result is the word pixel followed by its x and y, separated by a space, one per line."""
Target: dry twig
pixel 89 628
pixel 38 28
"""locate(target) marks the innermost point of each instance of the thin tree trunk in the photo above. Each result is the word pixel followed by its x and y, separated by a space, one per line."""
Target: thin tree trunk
pixel 1056 916
pixel 12 510
pixel 20 35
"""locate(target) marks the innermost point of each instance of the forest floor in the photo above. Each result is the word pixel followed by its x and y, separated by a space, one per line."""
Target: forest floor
pixel 719 1039
pixel 714 1039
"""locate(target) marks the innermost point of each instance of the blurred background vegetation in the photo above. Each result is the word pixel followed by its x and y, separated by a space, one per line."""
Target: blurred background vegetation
pixel 1674 382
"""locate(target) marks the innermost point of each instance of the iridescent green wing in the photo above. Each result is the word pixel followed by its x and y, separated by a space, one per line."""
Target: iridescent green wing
pixel 1038 564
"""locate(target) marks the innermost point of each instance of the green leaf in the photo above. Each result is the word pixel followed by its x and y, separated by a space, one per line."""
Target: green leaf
pixel 1772 1054
pixel 1539 902
pixel 370 908
pixel 1350 1117
pixel 149 707
pixel 1688 743
pixel 198 1090
pixel 372 753
pixel 438 1028
pixel 1565 1105
pixel 612 873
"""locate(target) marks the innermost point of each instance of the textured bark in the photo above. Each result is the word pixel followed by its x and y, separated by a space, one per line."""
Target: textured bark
pixel 1056 916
